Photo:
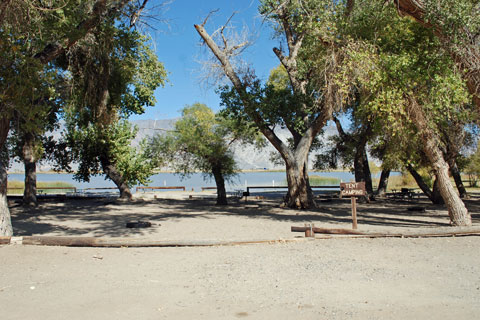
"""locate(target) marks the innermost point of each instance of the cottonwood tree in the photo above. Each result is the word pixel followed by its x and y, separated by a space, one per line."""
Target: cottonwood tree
pixel 114 74
pixel 310 98
pixel 107 150
pixel 411 80
pixel 45 30
pixel 202 141
pixel 27 144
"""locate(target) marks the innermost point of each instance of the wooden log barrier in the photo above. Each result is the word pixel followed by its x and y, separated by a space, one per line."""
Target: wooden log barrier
pixel 312 230
pixel 367 234
pixel 134 243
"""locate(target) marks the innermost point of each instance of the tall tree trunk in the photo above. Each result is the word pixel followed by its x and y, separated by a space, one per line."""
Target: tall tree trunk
pixel 220 182
pixel 457 211
pixel 367 173
pixel 383 182
pixel 362 169
pixel 458 178
pixel 113 174
pixel 30 191
pixel 5 221
pixel 299 195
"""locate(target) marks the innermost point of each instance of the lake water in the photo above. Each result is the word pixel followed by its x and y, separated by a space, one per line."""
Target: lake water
pixel 195 181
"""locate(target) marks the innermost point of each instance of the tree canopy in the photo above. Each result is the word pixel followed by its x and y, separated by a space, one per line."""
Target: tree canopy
pixel 202 142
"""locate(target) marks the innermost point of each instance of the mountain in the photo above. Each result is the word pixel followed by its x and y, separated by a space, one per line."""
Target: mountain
pixel 247 156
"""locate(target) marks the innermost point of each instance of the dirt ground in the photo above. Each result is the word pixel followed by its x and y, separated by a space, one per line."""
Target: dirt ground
pixel 339 278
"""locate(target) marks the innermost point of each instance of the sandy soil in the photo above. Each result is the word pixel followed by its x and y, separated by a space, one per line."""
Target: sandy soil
pixel 433 278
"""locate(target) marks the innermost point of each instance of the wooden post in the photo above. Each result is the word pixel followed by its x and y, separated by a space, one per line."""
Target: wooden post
pixel 354 213
pixel 353 190
pixel 309 233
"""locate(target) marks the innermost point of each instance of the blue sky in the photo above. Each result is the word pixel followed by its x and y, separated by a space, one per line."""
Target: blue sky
pixel 178 47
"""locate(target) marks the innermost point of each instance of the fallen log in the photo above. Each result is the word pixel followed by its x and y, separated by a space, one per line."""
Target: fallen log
pixel 122 242
pixel 369 234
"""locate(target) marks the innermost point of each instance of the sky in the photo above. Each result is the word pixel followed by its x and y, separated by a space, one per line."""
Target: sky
pixel 177 45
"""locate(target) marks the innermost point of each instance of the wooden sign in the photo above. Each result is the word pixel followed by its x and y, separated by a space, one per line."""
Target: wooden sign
pixel 352 189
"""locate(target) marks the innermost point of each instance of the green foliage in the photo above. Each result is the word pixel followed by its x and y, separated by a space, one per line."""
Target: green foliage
pixel 116 61
pixel 457 19
pixel 26 28
pixel 114 74
pixel 388 59
pixel 94 145
pixel 201 142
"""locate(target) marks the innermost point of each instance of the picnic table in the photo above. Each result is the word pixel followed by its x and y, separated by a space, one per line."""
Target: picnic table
pixel 404 193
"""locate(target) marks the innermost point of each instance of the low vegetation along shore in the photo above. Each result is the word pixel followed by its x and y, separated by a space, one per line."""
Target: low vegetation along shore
pixel 51 187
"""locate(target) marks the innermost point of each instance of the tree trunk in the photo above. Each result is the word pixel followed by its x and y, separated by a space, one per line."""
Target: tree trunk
pixel 362 170
pixel 457 211
pixel 30 191
pixel 421 184
pixel 367 173
pixel 220 182
pixel 458 178
pixel 113 174
pixel 383 182
pixel 5 221
pixel 300 195
pixel 436 195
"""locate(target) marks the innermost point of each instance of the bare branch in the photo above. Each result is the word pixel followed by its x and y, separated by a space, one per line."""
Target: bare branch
pixel 135 15
pixel 208 16
pixel 240 87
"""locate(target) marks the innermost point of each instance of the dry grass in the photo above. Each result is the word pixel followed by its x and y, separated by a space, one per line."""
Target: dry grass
pixel 17 187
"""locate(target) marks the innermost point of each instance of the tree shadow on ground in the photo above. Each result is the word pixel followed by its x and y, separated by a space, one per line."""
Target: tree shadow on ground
pixel 108 217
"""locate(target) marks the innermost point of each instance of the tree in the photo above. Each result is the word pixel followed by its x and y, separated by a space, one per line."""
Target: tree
pixel 111 79
pixel 411 80
pixel 37 115
pixel 107 150
pixel 23 53
pixel 310 98
pixel 202 142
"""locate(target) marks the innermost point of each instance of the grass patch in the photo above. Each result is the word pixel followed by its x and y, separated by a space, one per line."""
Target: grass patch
pixel 323 181
pixel 17 187
pixel 399 181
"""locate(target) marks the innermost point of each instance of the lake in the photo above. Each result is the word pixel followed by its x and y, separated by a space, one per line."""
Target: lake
pixel 195 181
